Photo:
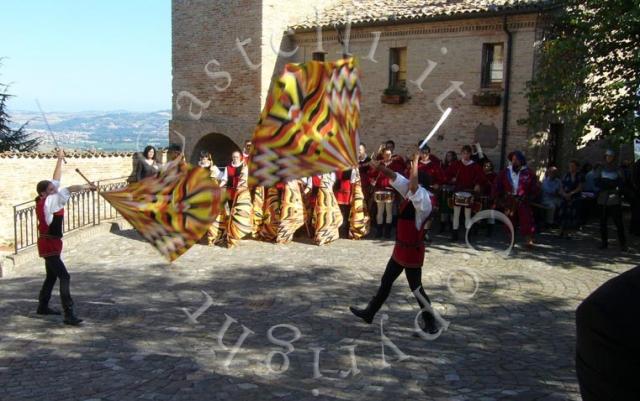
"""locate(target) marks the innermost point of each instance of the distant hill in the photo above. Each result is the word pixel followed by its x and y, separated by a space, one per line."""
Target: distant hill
pixel 109 131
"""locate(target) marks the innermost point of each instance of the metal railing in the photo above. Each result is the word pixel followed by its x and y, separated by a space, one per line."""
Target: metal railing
pixel 85 208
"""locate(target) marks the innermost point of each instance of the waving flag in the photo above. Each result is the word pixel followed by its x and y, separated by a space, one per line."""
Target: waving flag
pixel 173 210
pixel 309 123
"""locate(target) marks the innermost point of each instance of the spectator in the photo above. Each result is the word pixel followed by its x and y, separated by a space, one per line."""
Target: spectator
pixel 551 195
pixel 147 165
pixel 571 192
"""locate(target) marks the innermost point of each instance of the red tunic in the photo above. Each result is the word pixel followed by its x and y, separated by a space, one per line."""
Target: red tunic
pixel 434 170
pixel 49 235
pixel 316 181
pixel 466 177
pixel 409 248
pixel 233 177
pixel 343 188
pixel 379 181
pixel 490 179
pixel 527 189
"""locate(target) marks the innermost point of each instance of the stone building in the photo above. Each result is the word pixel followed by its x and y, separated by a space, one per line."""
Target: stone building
pixel 417 58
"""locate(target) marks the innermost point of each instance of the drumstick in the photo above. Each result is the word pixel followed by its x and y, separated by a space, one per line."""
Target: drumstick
pixel 85 178
pixel 435 128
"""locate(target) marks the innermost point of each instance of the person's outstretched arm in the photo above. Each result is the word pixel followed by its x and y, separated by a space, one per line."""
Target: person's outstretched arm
pixel 384 169
pixel 413 177
pixel 57 173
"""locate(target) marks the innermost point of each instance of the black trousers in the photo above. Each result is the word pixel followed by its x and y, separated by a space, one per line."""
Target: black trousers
pixel 615 211
pixel 56 270
pixel 391 273
pixel 345 210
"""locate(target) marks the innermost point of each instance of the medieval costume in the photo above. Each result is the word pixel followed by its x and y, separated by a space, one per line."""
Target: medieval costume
pixel 343 188
pixel 240 225
pixel 384 194
pixel 230 179
pixel 292 212
pixel 50 215
pixel 326 218
pixel 408 252
pixel 359 221
pixel 513 190
pixel 467 177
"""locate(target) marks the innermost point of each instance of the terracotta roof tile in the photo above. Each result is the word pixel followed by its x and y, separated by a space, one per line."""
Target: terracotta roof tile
pixel 380 11
pixel 71 154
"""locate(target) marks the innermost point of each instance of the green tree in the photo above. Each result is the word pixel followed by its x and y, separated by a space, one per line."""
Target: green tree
pixel 13 139
pixel 589 69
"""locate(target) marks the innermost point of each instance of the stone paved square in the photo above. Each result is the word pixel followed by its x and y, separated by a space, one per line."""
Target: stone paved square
pixel 511 340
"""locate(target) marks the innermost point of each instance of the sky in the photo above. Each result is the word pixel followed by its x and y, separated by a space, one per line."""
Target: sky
pixel 86 55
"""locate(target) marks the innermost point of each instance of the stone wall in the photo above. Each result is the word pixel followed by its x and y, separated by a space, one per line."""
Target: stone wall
pixel 456 47
pixel 213 35
pixel 19 174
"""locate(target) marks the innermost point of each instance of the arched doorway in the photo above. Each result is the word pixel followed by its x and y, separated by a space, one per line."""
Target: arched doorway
pixel 220 147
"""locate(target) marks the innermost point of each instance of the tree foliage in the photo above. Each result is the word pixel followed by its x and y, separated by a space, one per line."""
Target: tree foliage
pixel 17 140
pixel 589 70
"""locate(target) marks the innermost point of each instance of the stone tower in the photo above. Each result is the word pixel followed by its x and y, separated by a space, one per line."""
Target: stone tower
pixel 224 54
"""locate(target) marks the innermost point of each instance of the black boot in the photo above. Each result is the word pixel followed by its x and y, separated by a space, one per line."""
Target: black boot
pixel 430 326
pixel 43 304
pixel 45 310
pixel 69 317
pixel 454 234
pixel 370 311
pixel 387 231
pixel 378 230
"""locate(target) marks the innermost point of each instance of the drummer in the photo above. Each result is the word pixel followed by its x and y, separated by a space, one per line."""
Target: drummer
pixel 384 193
pixel 466 176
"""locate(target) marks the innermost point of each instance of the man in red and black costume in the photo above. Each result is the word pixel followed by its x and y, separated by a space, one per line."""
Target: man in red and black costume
pixel 409 249
pixel 466 176
pixel 431 166
pixel 513 189
pixel 231 177
pixel 342 189
pixel 50 214
pixel 380 183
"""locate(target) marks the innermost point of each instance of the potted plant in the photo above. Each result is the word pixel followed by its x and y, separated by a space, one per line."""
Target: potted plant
pixel 395 95
pixel 487 98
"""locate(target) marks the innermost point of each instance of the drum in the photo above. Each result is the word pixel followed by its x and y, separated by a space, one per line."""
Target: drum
pixel 446 198
pixel 464 199
pixel 481 203
pixel 383 196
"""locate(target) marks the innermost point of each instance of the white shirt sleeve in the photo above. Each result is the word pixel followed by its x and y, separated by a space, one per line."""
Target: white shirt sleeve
pixel 354 175
pixel 224 177
pixel 401 184
pixel 55 202
pixel 420 198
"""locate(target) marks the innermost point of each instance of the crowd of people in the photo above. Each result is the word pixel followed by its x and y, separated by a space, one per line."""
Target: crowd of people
pixel 362 203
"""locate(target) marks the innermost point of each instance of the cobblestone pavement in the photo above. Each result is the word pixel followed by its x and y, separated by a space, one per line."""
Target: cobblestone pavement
pixel 512 339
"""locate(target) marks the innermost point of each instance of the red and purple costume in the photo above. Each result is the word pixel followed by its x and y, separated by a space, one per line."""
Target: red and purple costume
pixel 526 188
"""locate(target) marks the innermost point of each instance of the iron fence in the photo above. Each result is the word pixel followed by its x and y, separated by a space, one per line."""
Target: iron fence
pixel 85 208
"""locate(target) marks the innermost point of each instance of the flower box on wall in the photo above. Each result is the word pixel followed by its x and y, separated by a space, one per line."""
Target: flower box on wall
pixel 395 96
pixel 487 99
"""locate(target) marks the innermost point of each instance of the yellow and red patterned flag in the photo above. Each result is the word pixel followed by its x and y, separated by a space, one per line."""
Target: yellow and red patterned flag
pixel 309 124
pixel 173 210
